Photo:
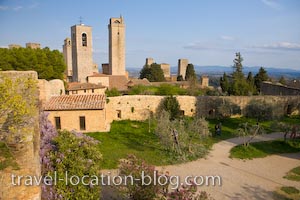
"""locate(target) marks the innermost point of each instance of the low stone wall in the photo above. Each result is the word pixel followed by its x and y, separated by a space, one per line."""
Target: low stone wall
pixel 138 107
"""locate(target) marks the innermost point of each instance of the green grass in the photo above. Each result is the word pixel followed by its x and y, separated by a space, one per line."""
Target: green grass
pixel 130 137
pixel 290 190
pixel 294 174
pixel 263 149
pixel 287 193
pixel 6 158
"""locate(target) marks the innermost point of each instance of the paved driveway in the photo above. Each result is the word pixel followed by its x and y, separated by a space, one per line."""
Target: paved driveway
pixel 251 179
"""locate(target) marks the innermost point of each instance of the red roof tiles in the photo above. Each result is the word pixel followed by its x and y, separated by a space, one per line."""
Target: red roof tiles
pixel 76 102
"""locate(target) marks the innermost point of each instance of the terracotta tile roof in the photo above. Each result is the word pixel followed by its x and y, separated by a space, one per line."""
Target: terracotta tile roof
pixel 115 81
pixel 98 75
pixel 76 102
pixel 133 82
pixel 118 82
pixel 83 86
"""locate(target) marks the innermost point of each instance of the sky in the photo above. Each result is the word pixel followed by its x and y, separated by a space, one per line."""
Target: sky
pixel 207 32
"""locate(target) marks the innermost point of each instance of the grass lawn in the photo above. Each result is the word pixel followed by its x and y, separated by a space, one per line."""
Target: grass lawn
pixel 130 137
pixel 287 193
pixel 294 174
pixel 263 149
pixel 6 158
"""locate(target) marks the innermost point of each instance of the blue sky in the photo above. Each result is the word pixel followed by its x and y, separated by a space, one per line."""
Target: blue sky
pixel 207 32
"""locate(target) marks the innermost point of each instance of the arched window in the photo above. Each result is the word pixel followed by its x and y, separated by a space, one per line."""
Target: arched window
pixel 84 39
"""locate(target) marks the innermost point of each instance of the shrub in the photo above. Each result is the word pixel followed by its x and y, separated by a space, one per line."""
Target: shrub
pixel 262 110
pixel 112 92
pixel 180 138
pixel 171 105
pixel 18 102
pixel 78 155
pixel 70 152
pixel 290 190
pixel 188 193
pixel 292 106
pixel 138 191
pixel 167 89
pixel 215 107
pixel 132 166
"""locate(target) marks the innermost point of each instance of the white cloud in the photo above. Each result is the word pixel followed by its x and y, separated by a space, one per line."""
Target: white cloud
pixel 226 37
pixel 4 7
pixel 272 4
pixel 34 5
pixel 17 8
pixel 281 46
pixel 198 46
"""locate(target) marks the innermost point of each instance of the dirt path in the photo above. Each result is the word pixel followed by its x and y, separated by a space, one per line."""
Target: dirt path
pixel 251 179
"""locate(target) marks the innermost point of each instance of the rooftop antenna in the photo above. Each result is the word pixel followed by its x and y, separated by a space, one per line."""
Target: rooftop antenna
pixel 80 21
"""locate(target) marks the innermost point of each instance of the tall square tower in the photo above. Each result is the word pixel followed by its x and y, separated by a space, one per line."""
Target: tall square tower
pixel 67 52
pixel 116 29
pixel 82 54
pixel 182 65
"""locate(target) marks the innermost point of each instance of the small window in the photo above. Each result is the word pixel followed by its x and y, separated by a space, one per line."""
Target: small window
pixel 119 114
pixel 82 123
pixel 84 91
pixel 93 90
pixel 57 123
pixel 84 39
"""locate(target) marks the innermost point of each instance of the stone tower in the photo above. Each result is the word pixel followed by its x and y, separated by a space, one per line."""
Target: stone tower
pixel 149 61
pixel 82 55
pixel 182 65
pixel 67 52
pixel 116 29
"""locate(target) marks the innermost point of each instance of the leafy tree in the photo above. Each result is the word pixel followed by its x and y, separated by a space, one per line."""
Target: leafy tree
pixel 263 110
pixel 239 84
pixel 251 83
pixel 48 64
pixel 260 77
pixel 282 80
pixel 224 83
pixel 153 73
pixel 181 137
pixel 249 132
pixel 190 73
pixel 179 78
pixel 171 105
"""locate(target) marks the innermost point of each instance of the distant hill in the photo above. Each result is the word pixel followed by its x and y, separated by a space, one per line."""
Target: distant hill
pixel 219 70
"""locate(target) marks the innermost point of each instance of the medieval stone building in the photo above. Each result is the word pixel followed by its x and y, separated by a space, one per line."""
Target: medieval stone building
pixel 78 56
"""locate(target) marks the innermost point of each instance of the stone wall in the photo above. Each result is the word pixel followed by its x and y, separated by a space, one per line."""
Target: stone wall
pixel 49 89
pixel 26 153
pixel 268 88
pixel 95 120
pixel 138 107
